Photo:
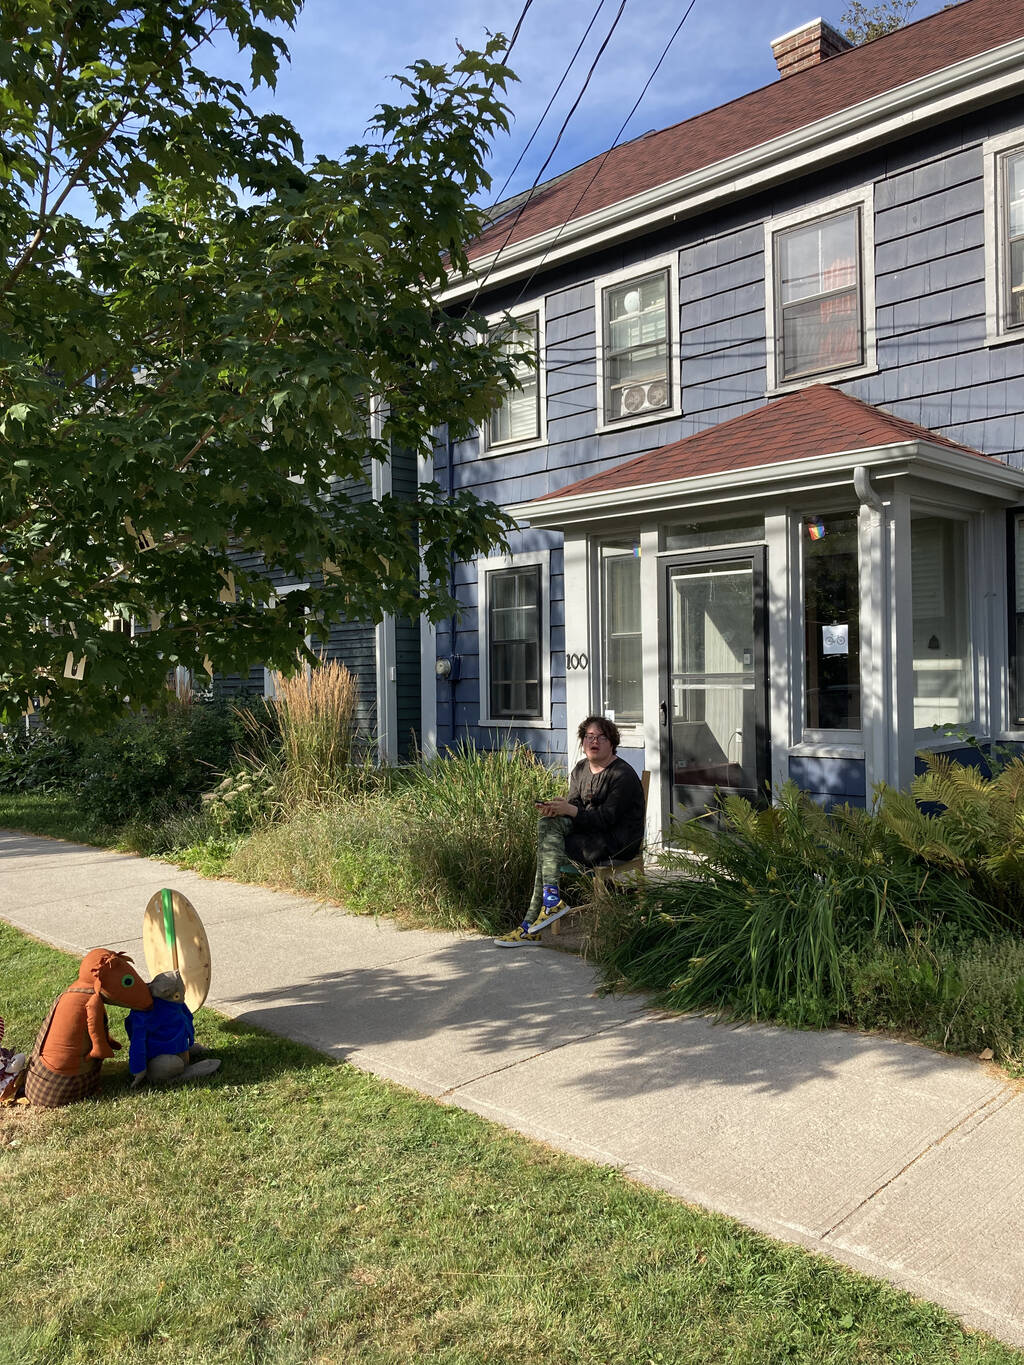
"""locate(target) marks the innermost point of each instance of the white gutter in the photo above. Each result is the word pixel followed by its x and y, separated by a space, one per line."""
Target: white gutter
pixel 983 78
pixel 970 472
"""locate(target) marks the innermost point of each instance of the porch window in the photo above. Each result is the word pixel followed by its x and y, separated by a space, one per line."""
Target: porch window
pixel 637 347
pixel 621 640
pixel 514 642
pixel 1012 245
pixel 832 623
pixel 517 417
pixel 943 691
pixel 818 323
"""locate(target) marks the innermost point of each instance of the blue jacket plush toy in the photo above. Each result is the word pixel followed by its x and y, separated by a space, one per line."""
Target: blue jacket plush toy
pixel 162 1039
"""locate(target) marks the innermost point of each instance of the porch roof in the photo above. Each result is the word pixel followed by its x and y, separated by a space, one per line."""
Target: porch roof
pixel 806 437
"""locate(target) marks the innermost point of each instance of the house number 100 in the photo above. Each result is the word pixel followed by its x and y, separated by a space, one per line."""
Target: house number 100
pixel 573 662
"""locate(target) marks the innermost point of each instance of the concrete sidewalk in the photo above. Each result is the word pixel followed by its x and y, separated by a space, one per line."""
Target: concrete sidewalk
pixel 886 1156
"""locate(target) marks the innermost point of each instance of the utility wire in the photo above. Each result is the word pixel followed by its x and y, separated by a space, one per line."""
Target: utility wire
pixel 547 109
pixel 558 138
pixel 600 165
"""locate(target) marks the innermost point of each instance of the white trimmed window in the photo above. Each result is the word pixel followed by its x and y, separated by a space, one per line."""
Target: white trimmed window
pixel 637 343
pixel 820 293
pixel 1004 238
pixel 622 679
pixel 514 640
pixel 518 419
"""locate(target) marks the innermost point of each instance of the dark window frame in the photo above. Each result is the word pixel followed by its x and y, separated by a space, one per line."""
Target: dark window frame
pixel 511 712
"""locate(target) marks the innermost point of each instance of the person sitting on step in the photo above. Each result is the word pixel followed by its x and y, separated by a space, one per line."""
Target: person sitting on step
pixel 601 821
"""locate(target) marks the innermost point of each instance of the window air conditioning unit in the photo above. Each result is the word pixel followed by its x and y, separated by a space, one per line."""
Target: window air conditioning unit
pixel 635 399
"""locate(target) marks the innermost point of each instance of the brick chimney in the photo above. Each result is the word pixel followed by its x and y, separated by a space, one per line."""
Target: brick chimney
pixel 806 46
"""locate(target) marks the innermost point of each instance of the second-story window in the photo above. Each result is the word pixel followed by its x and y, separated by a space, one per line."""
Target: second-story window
pixel 637 347
pixel 818 310
pixel 517 419
pixel 1012 187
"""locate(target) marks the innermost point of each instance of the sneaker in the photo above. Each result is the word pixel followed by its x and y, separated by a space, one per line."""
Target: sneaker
pixel 548 915
pixel 520 934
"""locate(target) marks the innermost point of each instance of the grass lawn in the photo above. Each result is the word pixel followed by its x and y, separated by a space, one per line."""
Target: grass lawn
pixel 295 1210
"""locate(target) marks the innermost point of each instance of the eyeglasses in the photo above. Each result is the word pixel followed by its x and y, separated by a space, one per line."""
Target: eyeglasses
pixel 594 734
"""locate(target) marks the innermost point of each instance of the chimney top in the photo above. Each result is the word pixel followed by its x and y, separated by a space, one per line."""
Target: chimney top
pixel 806 46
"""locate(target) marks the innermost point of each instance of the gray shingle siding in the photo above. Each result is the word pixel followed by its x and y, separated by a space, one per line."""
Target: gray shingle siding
pixel 934 366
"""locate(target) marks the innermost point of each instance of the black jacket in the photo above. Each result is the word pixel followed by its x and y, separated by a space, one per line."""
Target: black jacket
pixel 610 823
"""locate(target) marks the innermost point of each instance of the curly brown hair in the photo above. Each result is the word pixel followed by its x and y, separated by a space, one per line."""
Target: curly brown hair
pixel 607 727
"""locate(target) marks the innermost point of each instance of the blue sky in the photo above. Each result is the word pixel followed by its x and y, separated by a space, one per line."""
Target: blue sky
pixel 342 54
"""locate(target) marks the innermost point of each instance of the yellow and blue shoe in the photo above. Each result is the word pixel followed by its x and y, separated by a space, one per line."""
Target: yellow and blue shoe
pixel 548 915
pixel 520 934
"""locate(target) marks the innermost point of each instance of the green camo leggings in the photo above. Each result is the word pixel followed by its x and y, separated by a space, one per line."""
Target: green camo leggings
pixel 551 859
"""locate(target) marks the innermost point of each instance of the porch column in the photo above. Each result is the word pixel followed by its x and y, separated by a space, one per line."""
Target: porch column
pixel 876 675
pixel 581 645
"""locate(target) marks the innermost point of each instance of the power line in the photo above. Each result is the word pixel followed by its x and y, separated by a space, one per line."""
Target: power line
pixel 554 148
pixel 600 165
pixel 547 108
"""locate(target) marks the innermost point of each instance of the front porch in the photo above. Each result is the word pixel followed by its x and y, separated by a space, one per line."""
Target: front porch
pixel 813 590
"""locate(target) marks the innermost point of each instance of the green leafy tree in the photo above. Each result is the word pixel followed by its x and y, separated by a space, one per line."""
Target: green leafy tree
pixel 861 23
pixel 194 328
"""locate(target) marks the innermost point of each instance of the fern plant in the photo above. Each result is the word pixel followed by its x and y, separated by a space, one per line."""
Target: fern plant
pixel 967 822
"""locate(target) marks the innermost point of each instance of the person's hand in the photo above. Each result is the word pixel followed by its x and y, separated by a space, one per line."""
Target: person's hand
pixel 558 807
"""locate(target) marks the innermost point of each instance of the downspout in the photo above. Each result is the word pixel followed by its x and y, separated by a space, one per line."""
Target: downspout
pixel 873 552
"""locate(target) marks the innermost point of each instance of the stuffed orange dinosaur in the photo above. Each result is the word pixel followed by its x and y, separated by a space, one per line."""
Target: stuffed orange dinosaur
pixel 75 1038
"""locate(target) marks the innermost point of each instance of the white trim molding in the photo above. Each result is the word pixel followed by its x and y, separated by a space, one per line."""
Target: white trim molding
pixel 993 150
pixel 862 199
pixel 495 564
pixel 985 77
pixel 523 310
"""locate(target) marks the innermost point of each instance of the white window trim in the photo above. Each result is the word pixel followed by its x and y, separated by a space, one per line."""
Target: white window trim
pixel 494 565
pixel 864 199
pixel 669 262
pixel 627 728
pixel 996 332
pixel 282 591
pixel 512 447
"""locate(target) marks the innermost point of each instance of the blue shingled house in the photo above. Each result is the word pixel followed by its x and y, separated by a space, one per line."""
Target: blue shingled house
pixel 767 476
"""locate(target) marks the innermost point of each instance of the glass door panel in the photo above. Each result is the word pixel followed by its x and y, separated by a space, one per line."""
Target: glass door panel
pixel 714 711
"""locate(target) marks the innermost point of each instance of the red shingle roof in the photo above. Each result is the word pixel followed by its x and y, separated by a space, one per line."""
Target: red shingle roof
pixel 836 84
pixel 811 422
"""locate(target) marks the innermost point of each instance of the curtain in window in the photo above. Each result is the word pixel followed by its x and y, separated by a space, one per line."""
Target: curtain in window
pixel 819 296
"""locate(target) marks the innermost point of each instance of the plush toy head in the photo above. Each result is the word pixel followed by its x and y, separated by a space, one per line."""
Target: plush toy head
pixel 168 986
pixel 113 977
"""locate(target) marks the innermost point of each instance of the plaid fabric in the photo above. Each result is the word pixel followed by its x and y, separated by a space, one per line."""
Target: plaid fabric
pixel 49 1089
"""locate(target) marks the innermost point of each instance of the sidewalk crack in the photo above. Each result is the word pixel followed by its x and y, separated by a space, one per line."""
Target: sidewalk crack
pixel 993 1104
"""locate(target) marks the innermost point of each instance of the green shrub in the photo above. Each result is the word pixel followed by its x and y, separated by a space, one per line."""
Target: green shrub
pixel 965 997
pixel 37 761
pixel 958 818
pixel 763 916
pixel 144 768
pixel 450 843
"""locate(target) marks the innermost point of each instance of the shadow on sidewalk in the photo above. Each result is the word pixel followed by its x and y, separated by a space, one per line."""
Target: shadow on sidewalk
pixel 468 1014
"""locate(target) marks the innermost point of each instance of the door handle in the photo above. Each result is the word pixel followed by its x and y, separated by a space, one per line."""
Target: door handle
pixel 664 713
